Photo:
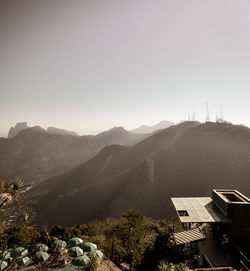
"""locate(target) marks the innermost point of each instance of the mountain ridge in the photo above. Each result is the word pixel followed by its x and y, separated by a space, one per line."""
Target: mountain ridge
pixel 197 158
pixel 54 130
pixel 144 129
pixel 34 154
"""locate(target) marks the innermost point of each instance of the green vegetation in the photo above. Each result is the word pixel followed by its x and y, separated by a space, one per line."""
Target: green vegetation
pixel 135 239
pixel 165 266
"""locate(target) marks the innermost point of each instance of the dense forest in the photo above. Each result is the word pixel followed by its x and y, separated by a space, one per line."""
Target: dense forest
pixel 135 239
pixel 139 241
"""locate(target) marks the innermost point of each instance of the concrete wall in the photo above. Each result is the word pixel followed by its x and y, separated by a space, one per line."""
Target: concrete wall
pixel 220 203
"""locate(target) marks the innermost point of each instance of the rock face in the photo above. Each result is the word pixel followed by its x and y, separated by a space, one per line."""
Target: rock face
pixel 143 129
pixel 54 130
pixel 15 130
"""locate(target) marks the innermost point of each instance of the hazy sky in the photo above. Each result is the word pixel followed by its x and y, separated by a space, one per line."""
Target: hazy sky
pixel 90 65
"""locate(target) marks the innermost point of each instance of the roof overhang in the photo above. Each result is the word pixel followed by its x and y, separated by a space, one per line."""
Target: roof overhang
pixel 188 236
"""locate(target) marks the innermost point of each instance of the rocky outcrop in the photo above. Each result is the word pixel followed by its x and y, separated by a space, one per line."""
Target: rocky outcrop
pixel 15 130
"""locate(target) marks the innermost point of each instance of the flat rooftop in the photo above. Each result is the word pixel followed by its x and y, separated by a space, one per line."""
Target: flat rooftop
pixel 232 196
pixel 198 210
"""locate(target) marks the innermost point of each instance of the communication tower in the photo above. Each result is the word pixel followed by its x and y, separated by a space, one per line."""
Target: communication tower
pixel 207 114
pixel 193 116
pixel 221 114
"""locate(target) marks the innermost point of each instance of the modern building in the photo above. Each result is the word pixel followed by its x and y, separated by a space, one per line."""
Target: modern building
pixel 217 227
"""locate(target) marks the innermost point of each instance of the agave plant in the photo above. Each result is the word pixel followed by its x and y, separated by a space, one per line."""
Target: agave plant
pixel 9 191
pixel 17 187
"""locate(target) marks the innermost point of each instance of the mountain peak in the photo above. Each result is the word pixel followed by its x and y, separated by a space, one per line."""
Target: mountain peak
pixel 18 127
pixel 117 128
pixel 144 129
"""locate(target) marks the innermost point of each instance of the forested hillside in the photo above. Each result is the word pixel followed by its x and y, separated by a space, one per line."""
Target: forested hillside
pixel 34 154
pixel 189 159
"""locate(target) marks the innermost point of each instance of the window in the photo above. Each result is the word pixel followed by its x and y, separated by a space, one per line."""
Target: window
pixel 183 213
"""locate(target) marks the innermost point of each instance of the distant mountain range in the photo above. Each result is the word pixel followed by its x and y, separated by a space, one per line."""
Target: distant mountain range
pixel 34 154
pixel 188 159
pixel 52 130
pixel 144 129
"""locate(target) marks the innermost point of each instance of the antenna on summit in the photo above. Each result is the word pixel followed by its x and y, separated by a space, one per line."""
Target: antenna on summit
pixel 220 119
pixel 217 117
pixel 221 114
pixel 193 116
pixel 189 118
pixel 207 114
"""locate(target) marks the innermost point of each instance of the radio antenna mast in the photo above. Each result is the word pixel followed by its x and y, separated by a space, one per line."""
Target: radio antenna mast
pixel 217 117
pixel 221 114
pixel 194 115
pixel 207 114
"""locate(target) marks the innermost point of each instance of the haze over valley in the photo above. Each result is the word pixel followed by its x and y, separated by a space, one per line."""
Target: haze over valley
pixel 104 175
pixel 122 104
pixel 34 154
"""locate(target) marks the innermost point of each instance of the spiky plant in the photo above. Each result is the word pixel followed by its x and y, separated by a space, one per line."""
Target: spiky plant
pixel 10 191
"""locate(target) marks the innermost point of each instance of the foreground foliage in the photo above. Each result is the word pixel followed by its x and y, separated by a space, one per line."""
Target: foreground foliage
pixel 9 191
pixel 165 266
pixel 135 239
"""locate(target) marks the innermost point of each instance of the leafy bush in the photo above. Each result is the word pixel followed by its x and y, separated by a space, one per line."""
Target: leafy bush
pixel 135 239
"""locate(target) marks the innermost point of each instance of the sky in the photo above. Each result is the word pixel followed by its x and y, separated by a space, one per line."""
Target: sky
pixel 89 65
